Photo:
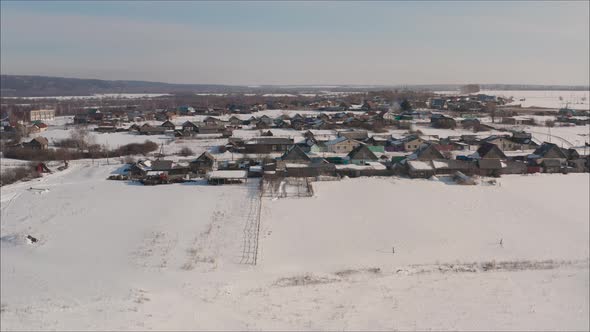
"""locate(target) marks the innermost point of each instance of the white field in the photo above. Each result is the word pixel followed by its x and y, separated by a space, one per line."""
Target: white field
pixel 554 99
pixel 549 99
pixel 113 255
pixel 99 96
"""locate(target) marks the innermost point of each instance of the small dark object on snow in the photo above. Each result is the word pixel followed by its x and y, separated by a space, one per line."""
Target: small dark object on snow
pixel 32 239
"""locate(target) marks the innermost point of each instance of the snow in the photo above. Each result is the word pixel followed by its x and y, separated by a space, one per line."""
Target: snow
pixel 278 95
pixel 294 165
pixel 468 231
pixel 99 96
pixel 420 165
pixel 227 174
pixel 115 255
pixel 550 99
pixel 368 166
pixel 440 164
pixel 539 98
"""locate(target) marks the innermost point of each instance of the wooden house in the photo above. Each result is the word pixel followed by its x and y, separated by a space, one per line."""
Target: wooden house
pixel 552 165
pixel 489 167
pixel 341 144
pixel 549 151
pixel 190 126
pixel 505 143
pixel 203 164
pixel 168 125
pixel 295 154
pixel 442 121
pixel 235 121
pixel 377 140
pixel 268 144
pixel 212 122
pixel 490 151
pixel 408 143
pixel 359 135
pixel 361 155
pixel 427 152
pixel 149 130
pixel 37 143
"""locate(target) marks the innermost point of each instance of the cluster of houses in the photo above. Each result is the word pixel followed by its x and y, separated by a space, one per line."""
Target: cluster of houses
pixel 353 154
pixel 464 103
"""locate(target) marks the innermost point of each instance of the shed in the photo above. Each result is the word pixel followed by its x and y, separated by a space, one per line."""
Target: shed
pixel 227 177
pixel 420 169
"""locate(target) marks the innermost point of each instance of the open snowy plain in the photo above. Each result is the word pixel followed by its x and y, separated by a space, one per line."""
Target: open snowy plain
pixel 115 255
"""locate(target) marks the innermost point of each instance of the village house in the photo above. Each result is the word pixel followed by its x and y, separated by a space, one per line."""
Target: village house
pixel 190 126
pixel 523 141
pixel 549 151
pixel 518 120
pixel 203 164
pixel 341 144
pixel 377 140
pixel 318 147
pixel 489 167
pixel 359 135
pixel 503 142
pixel 442 121
pixel 168 125
pixel 361 155
pixel 150 130
pixel 212 122
pixel 426 151
pixel 296 155
pixel 37 143
pixel 408 143
pixel 235 121
pixel 33 129
pixel 549 156
pixel 268 144
pixel 489 151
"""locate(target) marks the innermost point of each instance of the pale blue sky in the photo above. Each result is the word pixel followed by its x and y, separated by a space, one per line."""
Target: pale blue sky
pixel 300 42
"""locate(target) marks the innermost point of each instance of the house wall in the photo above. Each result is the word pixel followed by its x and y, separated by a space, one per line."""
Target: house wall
pixel 343 147
pixel 413 145
pixel 266 148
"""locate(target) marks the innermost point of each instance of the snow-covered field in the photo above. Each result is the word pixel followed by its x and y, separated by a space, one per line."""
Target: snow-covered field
pixel 99 96
pixel 554 99
pixel 114 255
pixel 550 99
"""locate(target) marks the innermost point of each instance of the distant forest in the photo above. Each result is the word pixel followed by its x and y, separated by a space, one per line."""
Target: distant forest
pixel 39 86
